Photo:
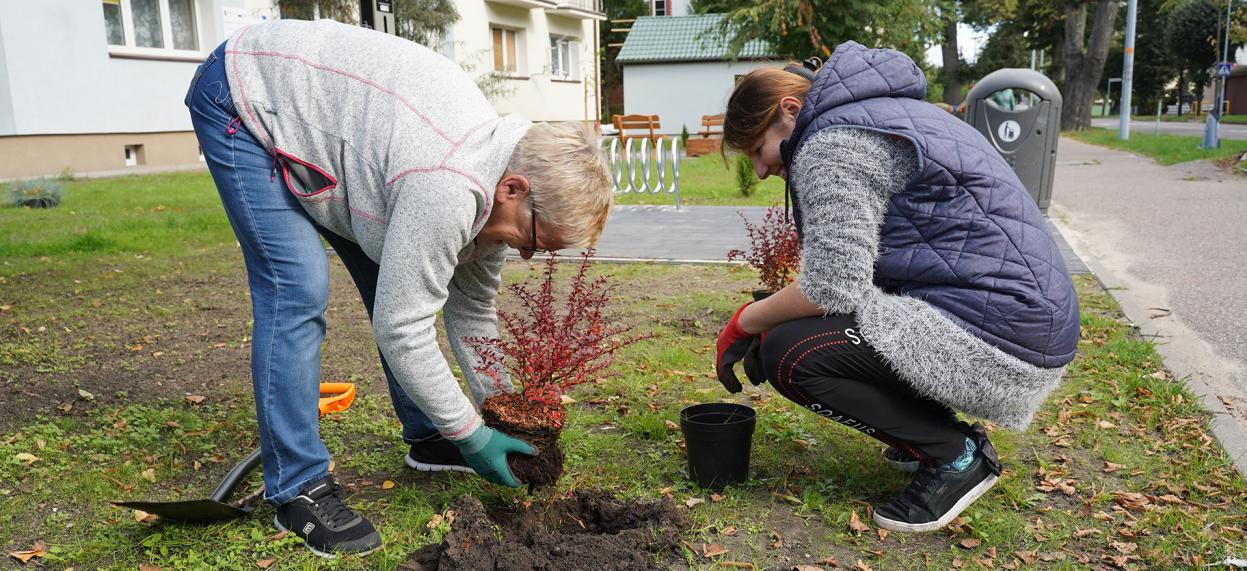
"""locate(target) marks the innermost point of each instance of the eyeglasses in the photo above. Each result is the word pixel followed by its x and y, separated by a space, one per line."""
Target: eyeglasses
pixel 532 215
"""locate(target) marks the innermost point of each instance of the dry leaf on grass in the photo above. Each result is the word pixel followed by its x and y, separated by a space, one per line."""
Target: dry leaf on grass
pixel 830 561
pixel 26 458
pixel 85 395
pixel 264 563
pixel 729 530
pixel 862 566
pixel 149 474
pixel 716 498
pixel 1110 467
pixel 1027 557
pixel 673 427
pixel 1080 533
pixel 37 550
pixel 970 543
pixel 144 517
pixel 148 567
pixel 806 568
pixel 712 550
pixel 195 399
pixel 855 523
pixel 737 564
pixel 693 501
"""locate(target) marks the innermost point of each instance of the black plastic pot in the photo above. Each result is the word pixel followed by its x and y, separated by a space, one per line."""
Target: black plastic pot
pixel 718 437
pixel 761 294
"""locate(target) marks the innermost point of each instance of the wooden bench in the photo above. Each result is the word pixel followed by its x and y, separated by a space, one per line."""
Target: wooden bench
pixel 709 139
pixel 641 127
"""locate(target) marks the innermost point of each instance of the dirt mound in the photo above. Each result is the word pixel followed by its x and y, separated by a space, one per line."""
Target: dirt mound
pixel 590 530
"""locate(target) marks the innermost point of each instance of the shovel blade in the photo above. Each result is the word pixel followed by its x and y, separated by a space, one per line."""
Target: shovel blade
pixel 188 511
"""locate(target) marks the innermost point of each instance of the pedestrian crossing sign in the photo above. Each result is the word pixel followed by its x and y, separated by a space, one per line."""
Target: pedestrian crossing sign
pixel 1224 68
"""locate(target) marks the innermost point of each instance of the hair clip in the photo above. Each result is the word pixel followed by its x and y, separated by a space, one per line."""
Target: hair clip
pixel 812 64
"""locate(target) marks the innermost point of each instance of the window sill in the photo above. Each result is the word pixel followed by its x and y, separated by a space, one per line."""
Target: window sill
pixel 517 77
pixel 159 54
pixel 561 80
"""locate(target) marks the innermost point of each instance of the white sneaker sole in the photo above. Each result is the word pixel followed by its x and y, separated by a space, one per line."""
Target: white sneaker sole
pixel 975 493
pixel 318 552
pixel 421 466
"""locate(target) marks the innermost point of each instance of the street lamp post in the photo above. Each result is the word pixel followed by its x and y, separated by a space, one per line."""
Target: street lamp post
pixel 1212 123
pixel 1127 71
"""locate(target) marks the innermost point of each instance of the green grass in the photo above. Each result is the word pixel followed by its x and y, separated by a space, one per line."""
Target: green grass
pixel 706 181
pixel 1164 149
pixel 1170 497
pixel 157 216
pixel 1188 118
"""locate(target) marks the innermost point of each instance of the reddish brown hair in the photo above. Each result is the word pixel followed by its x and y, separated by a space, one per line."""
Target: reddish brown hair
pixel 754 105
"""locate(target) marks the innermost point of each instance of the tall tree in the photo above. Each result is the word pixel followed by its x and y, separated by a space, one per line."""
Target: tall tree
pixel 1085 55
pixel 1192 39
pixel 618 14
pixel 803 28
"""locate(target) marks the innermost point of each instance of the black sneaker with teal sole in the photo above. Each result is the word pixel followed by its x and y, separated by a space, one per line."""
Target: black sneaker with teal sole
pixel 436 454
pixel 327 526
pixel 937 495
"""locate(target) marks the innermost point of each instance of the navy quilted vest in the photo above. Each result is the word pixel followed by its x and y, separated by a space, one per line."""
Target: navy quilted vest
pixel 963 235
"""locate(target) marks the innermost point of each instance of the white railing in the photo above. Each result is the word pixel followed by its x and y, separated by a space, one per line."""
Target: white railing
pixel 637 168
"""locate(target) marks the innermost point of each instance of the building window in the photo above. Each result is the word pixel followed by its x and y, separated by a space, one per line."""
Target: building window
pixel 158 24
pixel 505 50
pixel 564 58
pixel 134 155
pixel 661 8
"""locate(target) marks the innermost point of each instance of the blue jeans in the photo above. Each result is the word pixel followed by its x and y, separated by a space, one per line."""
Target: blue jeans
pixel 288 275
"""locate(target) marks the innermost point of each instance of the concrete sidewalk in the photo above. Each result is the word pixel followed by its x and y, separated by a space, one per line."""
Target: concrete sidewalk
pixel 1168 242
pixel 700 234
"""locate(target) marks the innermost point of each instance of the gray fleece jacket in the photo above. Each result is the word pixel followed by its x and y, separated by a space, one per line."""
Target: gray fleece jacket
pixel 846 177
pixel 392 146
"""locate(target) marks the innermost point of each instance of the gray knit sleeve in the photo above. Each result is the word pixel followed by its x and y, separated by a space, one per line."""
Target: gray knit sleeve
pixel 844 178
pixel 470 312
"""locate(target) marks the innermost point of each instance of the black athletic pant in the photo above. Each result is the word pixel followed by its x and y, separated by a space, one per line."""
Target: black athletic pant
pixel 824 364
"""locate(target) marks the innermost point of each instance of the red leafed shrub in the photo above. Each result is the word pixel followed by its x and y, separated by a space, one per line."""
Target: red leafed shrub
pixel 554 343
pixel 774 249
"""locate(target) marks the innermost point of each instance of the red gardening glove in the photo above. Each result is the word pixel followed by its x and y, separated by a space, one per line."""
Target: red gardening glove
pixel 731 347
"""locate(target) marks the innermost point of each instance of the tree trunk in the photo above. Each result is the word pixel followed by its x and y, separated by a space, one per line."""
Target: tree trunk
pixel 1181 88
pixel 952 64
pixel 1085 66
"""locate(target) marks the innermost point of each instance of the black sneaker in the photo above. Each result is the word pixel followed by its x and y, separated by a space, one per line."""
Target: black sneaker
pixel 903 461
pixel 937 495
pixel 437 454
pixel 326 525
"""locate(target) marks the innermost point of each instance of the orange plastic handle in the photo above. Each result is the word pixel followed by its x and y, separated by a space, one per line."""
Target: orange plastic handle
pixel 341 395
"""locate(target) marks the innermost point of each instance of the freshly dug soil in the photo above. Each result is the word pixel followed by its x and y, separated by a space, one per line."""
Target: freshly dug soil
pixel 591 531
pixel 536 424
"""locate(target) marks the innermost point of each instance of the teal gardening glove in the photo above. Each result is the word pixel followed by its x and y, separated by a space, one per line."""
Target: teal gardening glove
pixel 486 451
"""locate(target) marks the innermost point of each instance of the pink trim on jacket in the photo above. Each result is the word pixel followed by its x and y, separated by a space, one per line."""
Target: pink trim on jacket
pixel 345 73
pixel 285 170
pixel 455 144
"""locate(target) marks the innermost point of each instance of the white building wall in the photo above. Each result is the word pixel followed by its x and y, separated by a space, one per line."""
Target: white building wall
pixel 680 93
pixel 59 76
pixel 531 92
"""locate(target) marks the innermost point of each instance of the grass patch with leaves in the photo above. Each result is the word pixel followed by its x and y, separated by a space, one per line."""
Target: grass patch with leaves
pixel 100 349
pixel 1163 148
pixel 1118 469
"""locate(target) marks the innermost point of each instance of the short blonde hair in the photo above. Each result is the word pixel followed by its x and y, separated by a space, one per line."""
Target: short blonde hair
pixel 569 179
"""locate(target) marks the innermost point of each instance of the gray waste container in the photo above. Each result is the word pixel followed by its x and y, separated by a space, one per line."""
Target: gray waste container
pixel 1019 111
